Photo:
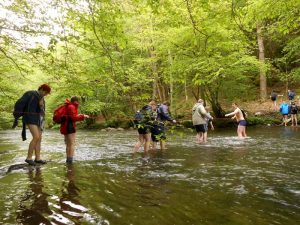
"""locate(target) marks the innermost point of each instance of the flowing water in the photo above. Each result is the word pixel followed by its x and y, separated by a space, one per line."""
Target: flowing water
pixel 226 181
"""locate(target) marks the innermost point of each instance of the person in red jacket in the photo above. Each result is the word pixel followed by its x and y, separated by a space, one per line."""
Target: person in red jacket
pixel 68 127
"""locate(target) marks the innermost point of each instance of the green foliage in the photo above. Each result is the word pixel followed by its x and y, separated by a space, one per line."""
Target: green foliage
pixel 117 55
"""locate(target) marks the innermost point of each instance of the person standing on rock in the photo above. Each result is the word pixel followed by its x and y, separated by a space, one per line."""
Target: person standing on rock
pixel 31 107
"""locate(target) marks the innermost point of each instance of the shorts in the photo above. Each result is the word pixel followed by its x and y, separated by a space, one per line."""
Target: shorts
pixel 243 123
pixel 143 129
pixel 201 128
pixel 158 133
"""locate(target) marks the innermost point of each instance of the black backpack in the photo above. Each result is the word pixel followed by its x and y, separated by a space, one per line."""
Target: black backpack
pixel 143 115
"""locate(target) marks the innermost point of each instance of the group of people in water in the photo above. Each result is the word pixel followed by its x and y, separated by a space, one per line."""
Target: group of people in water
pixel 150 124
pixel 150 121
pixel 286 108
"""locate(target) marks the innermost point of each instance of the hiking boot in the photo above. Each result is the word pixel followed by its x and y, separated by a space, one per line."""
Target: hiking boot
pixel 30 162
pixel 40 161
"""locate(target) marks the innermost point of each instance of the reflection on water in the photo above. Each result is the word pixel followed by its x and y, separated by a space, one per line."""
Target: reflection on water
pixel 33 204
pixel 226 181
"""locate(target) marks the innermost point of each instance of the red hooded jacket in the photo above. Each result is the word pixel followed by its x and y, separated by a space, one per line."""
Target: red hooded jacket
pixel 69 125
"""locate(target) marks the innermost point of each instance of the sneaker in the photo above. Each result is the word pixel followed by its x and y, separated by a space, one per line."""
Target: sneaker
pixel 40 161
pixel 30 162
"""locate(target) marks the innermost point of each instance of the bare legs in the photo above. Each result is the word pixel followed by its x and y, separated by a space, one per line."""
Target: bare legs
pixel 241 131
pixel 70 146
pixel 35 143
pixel 294 120
pixel 143 139
pixel 201 137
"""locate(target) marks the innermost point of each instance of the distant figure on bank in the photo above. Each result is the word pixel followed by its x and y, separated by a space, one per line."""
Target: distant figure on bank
pixel 284 110
pixel 68 126
pixel 158 132
pixel 240 118
pixel 200 118
pixel 294 111
pixel 291 95
pixel 31 106
pixel 143 122
pixel 273 97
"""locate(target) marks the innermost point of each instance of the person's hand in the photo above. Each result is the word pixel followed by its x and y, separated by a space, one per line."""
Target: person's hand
pixel 226 115
pixel 86 116
pixel 212 127
pixel 174 121
pixel 233 117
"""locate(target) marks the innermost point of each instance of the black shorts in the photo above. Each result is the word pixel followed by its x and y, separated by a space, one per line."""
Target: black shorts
pixel 201 128
pixel 143 129
pixel 158 133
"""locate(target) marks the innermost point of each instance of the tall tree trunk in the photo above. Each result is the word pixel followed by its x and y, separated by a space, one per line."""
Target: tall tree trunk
pixel 171 80
pixel 155 85
pixel 185 89
pixel 261 58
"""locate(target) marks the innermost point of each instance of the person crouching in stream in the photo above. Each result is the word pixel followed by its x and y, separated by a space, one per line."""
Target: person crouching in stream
pixel 68 126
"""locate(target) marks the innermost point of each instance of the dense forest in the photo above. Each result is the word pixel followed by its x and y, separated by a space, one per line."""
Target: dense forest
pixel 118 54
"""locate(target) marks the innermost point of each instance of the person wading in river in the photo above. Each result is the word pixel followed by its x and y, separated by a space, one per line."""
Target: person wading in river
pixel 31 106
pixel 68 126
pixel 143 121
pixel 200 119
pixel 158 131
pixel 240 118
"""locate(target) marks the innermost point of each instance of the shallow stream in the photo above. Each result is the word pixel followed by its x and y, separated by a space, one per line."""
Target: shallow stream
pixel 226 181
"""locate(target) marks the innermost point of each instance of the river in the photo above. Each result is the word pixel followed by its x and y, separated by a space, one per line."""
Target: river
pixel 226 181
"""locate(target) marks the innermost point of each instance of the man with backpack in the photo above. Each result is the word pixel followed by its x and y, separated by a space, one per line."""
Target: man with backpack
pixel 144 121
pixel 291 95
pixel 31 107
pixel 158 131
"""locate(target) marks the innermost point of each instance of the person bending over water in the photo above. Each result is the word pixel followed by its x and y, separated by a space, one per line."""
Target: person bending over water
pixel 240 118
pixel 31 106
pixel 68 127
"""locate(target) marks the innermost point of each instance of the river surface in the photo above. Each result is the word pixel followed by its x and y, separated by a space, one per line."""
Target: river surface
pixel 226 181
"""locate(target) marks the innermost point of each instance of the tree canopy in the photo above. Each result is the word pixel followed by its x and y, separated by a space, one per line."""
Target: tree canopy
pixel 118 54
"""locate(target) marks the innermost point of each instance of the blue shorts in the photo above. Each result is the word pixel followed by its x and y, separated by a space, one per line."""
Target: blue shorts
pixel 243 123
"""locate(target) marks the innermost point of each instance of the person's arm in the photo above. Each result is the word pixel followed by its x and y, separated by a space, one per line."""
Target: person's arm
pixel 204 113
pixel 73 114
pixel 211 125
pixel 233 113
pixel 166 114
